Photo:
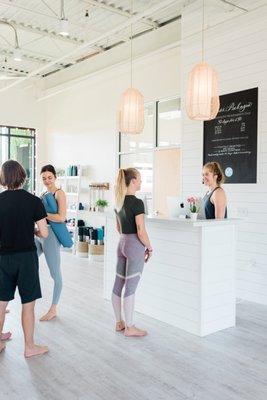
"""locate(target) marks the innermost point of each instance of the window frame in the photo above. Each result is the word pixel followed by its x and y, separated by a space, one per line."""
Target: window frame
pixel 155 132
pixel 155 138
pixel 32 136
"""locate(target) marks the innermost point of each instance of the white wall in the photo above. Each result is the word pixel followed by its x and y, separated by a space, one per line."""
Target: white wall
pixel 237 49
pixel 81 122
pixel 20 108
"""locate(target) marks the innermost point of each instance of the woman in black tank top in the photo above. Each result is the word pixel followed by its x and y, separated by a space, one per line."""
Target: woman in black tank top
pixel 215 201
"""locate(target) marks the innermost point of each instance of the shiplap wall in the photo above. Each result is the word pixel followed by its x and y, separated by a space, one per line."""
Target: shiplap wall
pixel 237 48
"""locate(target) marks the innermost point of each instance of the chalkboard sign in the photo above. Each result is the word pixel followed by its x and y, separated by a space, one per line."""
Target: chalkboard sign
pixel 231 138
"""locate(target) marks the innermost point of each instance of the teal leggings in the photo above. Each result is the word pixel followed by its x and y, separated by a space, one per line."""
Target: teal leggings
pixel 50 246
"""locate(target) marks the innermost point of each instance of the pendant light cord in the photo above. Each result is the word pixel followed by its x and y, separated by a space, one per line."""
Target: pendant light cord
pixel 62 11
pixel 131 47
pixel 202 39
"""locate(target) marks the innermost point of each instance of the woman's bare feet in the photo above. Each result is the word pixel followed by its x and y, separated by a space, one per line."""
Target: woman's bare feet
pixel 5 336
pixel 134 332
pixel 120 326
pixel 35 350
pixel 51 314
pixel 2 346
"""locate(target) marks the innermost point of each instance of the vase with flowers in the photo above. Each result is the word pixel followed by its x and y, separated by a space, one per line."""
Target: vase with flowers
pixel 194 206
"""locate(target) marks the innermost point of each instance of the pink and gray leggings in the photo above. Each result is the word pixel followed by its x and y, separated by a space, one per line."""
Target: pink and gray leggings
pixel 130 264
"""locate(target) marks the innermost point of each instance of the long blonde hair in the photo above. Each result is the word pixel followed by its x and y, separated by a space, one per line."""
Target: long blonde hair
pixel 123 181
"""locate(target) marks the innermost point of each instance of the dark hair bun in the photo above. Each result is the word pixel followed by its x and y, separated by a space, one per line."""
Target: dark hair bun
pixel 49 168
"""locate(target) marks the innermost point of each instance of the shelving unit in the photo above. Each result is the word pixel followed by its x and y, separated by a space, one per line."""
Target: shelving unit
pixel 67 183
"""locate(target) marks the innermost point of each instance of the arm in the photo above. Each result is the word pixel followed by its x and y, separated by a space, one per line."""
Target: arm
pixel 141 231
pixel 42 230
pixel 62 208
pixel 219 200
pixel 118 226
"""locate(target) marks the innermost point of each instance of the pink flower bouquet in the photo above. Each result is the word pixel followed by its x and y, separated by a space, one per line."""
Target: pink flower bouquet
pixel 194 204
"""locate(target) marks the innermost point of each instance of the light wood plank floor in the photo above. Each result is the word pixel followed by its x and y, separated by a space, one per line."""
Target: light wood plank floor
pixel 88 360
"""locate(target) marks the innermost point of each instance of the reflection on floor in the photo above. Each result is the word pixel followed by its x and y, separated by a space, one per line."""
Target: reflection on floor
pixel 88 360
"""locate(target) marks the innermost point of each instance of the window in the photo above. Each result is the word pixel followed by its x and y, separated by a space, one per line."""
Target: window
pixel 162 129
pixel 19 144
pixel 169 123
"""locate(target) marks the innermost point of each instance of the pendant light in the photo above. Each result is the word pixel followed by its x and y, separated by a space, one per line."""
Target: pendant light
pixel 17 55
pixel 64 23
pixel 131 109
pixel 202 98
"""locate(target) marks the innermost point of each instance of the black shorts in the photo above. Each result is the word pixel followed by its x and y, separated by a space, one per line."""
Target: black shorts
pixel 20 270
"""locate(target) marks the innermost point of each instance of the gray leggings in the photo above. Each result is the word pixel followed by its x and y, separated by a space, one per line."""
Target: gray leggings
pixel 130 264
pixel 50 246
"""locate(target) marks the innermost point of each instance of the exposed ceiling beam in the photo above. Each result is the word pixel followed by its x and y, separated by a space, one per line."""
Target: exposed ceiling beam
pixel 118 10
pixel 43 32
pixel 230 3
pixel 5 67
pixel 10 4
pixel 9 53
pixel 134 19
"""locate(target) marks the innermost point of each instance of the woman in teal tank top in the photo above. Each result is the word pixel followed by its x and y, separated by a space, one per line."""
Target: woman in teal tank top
pixel 214 201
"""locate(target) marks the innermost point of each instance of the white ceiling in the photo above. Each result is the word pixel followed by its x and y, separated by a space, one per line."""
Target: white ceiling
pixel 37 24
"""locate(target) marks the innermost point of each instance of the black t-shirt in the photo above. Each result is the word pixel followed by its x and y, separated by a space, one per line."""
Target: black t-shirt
pixel 19 210
pixel 132 206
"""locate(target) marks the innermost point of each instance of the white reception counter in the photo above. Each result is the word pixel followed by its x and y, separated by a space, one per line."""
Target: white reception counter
pixel 190 280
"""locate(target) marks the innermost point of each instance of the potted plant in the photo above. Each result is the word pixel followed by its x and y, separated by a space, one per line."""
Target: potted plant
pixel 101 204
pixel 194 206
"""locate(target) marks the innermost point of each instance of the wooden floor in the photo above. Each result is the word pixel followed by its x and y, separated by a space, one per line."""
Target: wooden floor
pixel 88 360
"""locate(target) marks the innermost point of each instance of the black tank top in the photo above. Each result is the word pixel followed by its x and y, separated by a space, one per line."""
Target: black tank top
pixel 209 206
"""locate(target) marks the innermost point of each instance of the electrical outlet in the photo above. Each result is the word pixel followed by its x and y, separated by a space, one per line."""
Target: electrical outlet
pixel 242 212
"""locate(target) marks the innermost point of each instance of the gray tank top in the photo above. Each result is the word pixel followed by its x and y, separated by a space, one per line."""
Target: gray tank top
pixel 208 206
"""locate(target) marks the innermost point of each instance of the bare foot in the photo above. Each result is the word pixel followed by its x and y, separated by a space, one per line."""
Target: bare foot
pixel 51 314
pixel 2 346
pixel 35 350
pixel 5 336
pixel 120 326
pixel 133 331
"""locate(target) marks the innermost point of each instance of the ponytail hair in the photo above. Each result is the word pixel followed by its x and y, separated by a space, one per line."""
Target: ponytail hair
pixel 216 169
pixel 124 179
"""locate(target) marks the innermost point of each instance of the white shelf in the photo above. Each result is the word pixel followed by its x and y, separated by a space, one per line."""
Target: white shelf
pixel 71 194
pixel 68 177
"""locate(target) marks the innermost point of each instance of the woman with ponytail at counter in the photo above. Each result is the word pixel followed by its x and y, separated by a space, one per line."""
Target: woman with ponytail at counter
pixel 134 248
pixel 215 201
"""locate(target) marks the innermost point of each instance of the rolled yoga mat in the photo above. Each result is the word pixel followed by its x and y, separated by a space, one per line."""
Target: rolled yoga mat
pixel 59 228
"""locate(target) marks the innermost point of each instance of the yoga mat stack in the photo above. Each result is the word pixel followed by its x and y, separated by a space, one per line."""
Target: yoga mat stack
pixel 82 249
pixel 91 243
pixel 96 252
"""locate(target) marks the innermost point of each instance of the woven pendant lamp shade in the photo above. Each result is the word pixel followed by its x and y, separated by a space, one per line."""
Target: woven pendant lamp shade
pixel 202 100
pixel 131 112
